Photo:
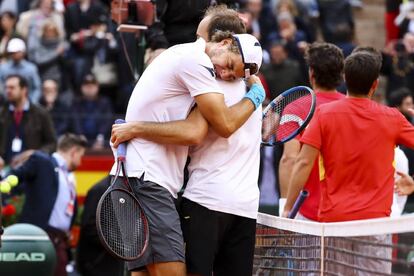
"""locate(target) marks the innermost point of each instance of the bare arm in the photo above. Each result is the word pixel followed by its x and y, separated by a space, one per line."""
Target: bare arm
pixel 300 174
pixel 225 120
pixel 190 131
pixel 290 152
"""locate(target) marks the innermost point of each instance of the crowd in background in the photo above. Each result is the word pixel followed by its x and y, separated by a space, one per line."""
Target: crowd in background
pixel 65 68
pixel 82 71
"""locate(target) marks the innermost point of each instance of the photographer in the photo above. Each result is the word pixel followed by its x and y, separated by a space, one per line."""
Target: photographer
pixel 398 64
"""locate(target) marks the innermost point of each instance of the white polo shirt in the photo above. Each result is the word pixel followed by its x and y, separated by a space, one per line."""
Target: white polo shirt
pixel 224 172
pixel 165 93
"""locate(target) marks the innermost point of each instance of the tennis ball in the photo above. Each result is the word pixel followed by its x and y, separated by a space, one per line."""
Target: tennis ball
pixel 12 180
pixel 5 187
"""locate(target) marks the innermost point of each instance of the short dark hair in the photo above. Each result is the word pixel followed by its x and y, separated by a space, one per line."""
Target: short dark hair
pixel 224 19
pixel 397 96
pixel 362 68
pixel 70 140
pixel 22 80
pixel 327 63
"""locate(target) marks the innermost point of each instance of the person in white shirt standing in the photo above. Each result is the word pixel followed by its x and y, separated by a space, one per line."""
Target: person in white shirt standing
pixel 166 92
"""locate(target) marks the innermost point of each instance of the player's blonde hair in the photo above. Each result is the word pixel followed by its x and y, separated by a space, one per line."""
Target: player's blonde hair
pixel 222 35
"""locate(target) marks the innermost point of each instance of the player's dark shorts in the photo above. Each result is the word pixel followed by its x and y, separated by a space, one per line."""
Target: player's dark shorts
pixel 217 242
pixel 165 239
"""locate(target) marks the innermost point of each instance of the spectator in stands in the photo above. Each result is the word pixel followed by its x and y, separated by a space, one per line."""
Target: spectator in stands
pixel 62 116
pixel 92 258
pixel 398 64
pixel 283 72
pixel 79 17
pixel 20 66
pixel 47 52
pixel 310 8
pixel 300 16
pixel 402 99
pixel 294 39
pixel 30 23
pixel 94 113
pixel 7 31
pixel 25 127
pixel 49 185
pixel 255 8
pixel 101 49
pixel 332 14
pixel 260 21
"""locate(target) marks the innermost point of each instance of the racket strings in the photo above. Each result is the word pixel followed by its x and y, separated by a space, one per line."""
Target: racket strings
pixel 286 116
pixel 123 231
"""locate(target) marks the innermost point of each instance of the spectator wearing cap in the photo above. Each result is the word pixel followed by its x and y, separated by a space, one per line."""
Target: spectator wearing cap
pixel 25 126
pixel 20 66
pixel 94 115
pixel 7 31
pixel 47 51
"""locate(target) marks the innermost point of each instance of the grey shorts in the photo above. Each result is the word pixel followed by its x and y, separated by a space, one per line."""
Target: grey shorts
pixel 165 239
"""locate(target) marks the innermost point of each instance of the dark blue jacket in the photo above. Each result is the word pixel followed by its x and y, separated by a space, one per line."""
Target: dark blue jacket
pixel 38 178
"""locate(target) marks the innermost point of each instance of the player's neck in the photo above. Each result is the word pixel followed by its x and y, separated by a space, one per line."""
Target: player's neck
pixel 319 89
pixel 358 96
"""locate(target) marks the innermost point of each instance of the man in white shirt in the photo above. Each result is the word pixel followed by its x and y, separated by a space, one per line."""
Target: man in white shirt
pixel 162 96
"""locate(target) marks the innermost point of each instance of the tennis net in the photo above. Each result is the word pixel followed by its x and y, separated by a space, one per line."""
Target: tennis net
pixel 366 247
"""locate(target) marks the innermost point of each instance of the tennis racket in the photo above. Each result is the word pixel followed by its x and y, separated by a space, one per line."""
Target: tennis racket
pixel 121 222
pixel 287 115
pixel 298 203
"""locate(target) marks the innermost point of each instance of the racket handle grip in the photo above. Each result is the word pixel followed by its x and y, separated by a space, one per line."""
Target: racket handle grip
pixel 121 150
pixel 298 203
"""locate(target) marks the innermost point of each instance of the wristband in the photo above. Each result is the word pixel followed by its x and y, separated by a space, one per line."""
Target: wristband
pixel 256 94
